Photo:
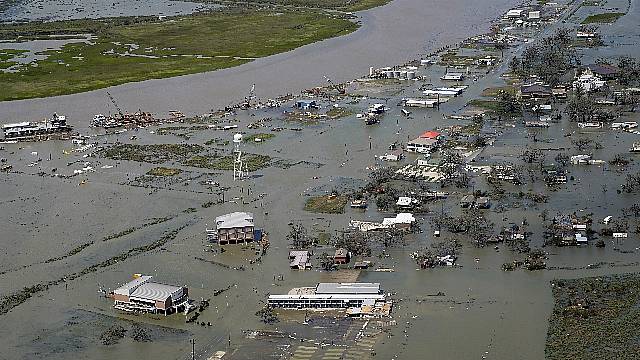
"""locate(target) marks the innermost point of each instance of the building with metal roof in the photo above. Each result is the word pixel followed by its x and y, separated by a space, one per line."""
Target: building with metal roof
pixel 329 296
pixel 143 295
pixel 233 228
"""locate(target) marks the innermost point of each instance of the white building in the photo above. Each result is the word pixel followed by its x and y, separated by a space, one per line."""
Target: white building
pixel 588 81
pixel 422 145
pixel 233 228
pixel 329 296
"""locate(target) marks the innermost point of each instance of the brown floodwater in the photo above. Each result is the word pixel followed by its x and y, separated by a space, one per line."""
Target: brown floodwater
pixel 484 312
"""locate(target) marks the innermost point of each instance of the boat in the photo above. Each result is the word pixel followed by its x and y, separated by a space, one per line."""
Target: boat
pixel 34 130
pixel 635 148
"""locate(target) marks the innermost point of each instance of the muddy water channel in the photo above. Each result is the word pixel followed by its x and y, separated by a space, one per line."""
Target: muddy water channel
pixel 474 310
pixel 389 35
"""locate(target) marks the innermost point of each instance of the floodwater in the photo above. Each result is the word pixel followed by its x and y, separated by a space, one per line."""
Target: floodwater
pixel 484 312
pixel 392 34
pixel 51 10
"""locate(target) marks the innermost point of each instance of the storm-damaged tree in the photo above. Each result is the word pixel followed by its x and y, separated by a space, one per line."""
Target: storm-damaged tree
pixel 550 59
pixel 379 177
pixel 619 160
pixel 535 260
pixel 391 237
pixel 355 242
pixel 531 156
pixel 629 71
pixel 632 183
pixel 633 210
pixel 326 262
pixel 581 106
pixel 267 315
pixel 544 215
pixel 387 199
pixel 507 104
pixel 450 166
pixel 501 46
pixel 299 237
pixel 615 226
pixel 562 159
pixel 583 144
pixel 477 227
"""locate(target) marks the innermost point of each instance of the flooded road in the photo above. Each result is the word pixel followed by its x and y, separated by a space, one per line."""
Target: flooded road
pixel 392 34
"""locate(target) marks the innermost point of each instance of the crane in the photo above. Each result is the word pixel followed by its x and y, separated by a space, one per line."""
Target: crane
pixel 115 104
pixel 339 88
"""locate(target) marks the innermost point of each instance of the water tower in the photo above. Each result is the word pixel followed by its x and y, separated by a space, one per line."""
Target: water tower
pixel 239 169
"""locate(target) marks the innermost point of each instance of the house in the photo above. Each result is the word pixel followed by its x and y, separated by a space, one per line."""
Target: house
pixel 422 145
pixel 483 202
pixel 307 104
pixel 559 92
pixel 534 15
pixel 586 35
pixel 467 201
pixel 406 203
pixel 588 81
pixel 581 239
pixel 401 221
pixel 233 228
pixel 535 91
pixel 605 71
pixel 514 13
pixel 341 256
pixel 299 259
pixel 143 295
pixel 431 135
pixel 362 265
pixel 421 103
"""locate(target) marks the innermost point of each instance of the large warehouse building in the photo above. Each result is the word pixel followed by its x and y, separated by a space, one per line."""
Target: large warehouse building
pixel 142 295
pixel 329 296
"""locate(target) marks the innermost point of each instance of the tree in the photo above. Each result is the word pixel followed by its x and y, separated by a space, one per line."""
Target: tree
pixel 476 226
pixel 629 70
pixel 515 65
pixel 581 106
pixel 507 104
pixel 299 237
pixel 326 262
pixel 544 215
pixel 267 315
pixel 355 242
pixel 449 166
pixel 502 46
pixel 562 159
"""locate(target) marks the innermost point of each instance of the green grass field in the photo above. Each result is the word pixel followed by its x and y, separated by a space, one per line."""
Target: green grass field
pixel 167 48
pixel 605 18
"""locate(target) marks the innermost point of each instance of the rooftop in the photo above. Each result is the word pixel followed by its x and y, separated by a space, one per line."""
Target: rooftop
pixel 348 288
pixel 234 220
pixel 155 291
pixel 423 141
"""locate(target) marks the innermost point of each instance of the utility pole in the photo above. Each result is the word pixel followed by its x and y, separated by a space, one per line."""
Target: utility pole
pixel 193 349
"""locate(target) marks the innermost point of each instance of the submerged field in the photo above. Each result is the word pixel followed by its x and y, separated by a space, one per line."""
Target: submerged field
pixel 134 49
